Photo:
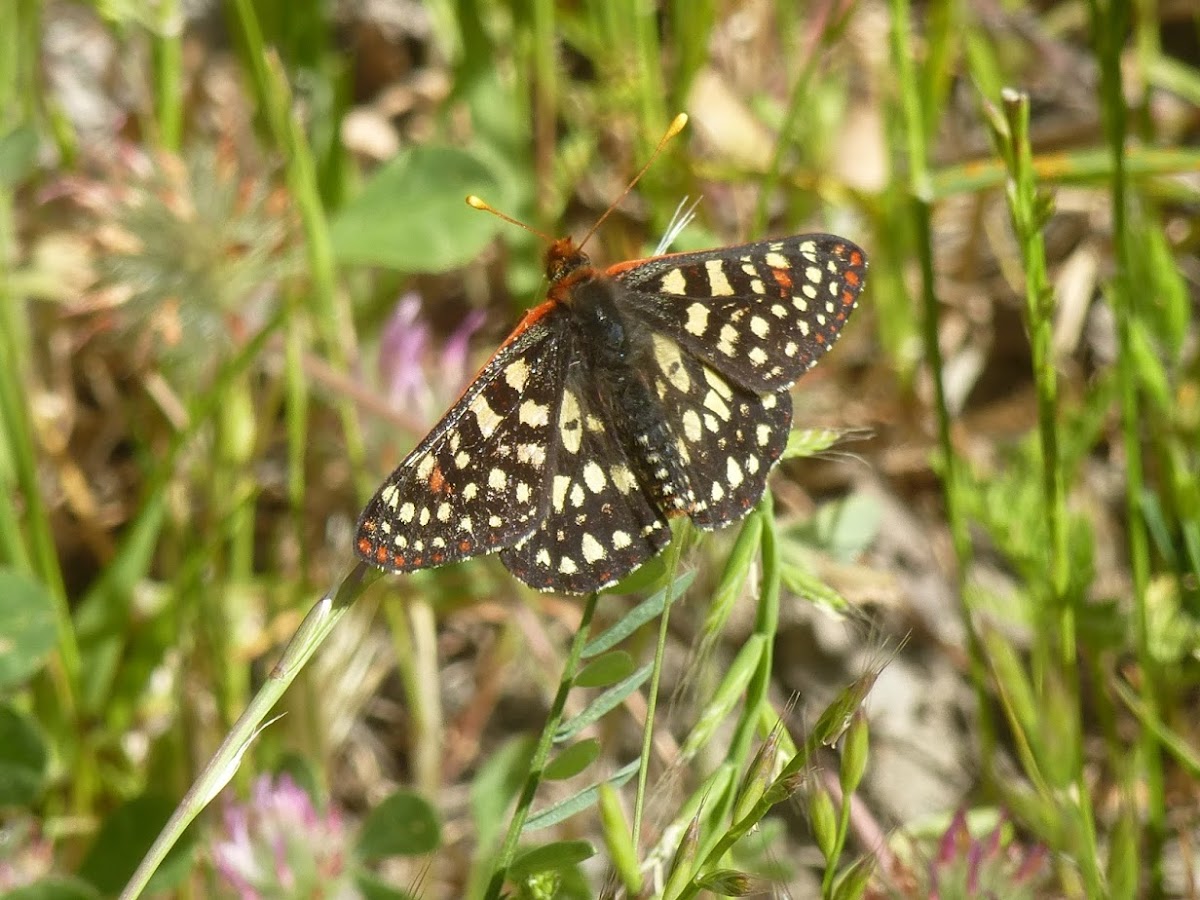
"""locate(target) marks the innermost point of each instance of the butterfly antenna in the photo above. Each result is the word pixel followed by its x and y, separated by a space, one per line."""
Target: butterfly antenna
pixel 676 126
pixel 476 203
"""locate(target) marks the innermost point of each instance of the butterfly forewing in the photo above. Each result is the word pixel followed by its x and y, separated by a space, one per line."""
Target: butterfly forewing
pixel 478 482
pixel 762 313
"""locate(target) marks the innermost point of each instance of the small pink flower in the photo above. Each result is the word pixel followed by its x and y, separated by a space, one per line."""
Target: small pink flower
pixel 279 844
pixel 418 377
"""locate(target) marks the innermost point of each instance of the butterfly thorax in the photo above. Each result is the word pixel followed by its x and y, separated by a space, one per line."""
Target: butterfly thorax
pixel 618 362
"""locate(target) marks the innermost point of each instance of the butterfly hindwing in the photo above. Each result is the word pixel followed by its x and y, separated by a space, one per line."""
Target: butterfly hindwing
pixel 600 524
pixel 478 482
pixel 728 437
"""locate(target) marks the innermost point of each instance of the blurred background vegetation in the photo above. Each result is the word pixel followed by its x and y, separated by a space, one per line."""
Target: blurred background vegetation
pixel 238 282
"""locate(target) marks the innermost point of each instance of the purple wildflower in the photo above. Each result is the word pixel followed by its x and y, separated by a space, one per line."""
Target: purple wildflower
pixel 993 866
pixel 416 376
pixel 279 844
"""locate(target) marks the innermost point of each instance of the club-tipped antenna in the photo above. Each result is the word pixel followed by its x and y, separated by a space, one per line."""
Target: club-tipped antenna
pixel 676 126
pixel 477 203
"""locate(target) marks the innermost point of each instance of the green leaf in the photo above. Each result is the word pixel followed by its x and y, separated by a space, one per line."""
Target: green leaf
pixel 412 216
pixel 847 527
pixel 56 887
pixel 605 670
pixel 26 627
pixel 402 825
pixel 730 692
pixel 644 612
pixel 372 887
pixel 572 760
pixel 576 803
pixel 18 155
pixel 124 838
pixel 496 786
pixel 22 759
pixel 550 858
pixel 606 702
pixel 809 441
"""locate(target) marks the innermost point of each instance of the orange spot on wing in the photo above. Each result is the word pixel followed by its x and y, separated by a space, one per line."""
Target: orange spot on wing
pixel 856 258
pixel 438 556
pixel 852 278
pixel 847 298
pixel 381 554
pixel 398 561
pixel 437 480
pixel 820 337
pixel 464 546
pixel 417 560
pixel 783 279
pixel 364 546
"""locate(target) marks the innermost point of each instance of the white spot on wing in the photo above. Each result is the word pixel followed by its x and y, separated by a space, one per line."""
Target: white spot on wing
pixel 733 473
pixel 516 374
pixel 593 477
pixel 697 320
pixel 569 424
pixel 673 283
pixel 534 414
pixel 486 418
pixel 592 551
pixel 718 284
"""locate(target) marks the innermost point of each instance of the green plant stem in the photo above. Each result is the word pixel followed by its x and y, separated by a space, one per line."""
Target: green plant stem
pixel 330 314
pixel 766 625
pixel 542 752
pixel 316 627
pixel 168 75
pixel 660 650
pixel 413 627
pixel 919 190
pixel 827 729
pixel 795 105
pixel 1108 20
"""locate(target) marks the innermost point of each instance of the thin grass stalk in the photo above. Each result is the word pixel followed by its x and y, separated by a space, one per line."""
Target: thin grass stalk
pixel 33 544
pixel 168 75
pixel 652 93
pixel 1039 307
pixel 545 105
pixel 1108 21
pixel 660 650
pixel 919 189
pixel 295 415
pixel 795 103
pixel 316 627
pixel 331 315
pixel 541 752
pixel 413 628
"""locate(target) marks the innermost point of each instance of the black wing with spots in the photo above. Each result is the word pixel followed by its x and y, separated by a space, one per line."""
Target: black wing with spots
pixel 479 481
pixel 601 524
pixel 762 314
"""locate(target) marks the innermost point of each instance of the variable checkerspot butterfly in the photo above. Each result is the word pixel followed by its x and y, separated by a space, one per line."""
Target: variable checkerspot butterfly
pixel 650 389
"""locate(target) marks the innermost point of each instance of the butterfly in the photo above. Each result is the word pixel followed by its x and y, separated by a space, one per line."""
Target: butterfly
pixel 651 389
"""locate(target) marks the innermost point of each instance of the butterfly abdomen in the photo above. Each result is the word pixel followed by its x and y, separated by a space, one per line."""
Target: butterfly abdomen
pixel 619 362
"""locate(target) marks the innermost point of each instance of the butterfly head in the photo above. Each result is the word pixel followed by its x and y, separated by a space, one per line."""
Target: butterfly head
pixel 563 257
